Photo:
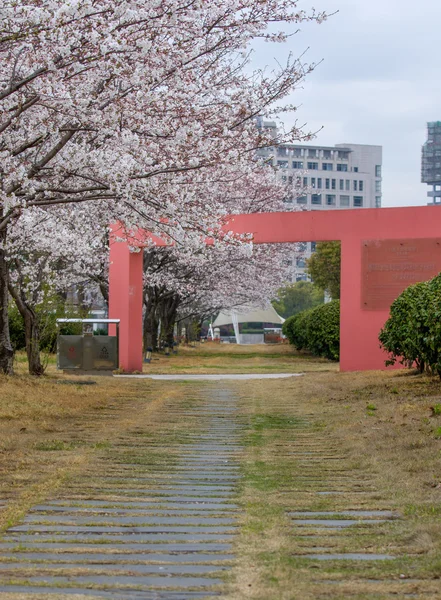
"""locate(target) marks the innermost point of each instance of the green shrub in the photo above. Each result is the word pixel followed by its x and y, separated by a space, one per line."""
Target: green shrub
pixel 412 334
pixel 316 330
pixel 16 328
pixel 295 329
pixel 323 330
pixel 47 317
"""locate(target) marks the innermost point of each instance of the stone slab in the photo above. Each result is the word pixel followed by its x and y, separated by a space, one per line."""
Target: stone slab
pixel 101 529
pixel 113 594
pixel 115 558
pixel 166 581
pixel 337 523
pixel 386 514
pixel 83 538
pixel 126 570
pixel 126 520
pixel 350 556
pixel 213 377
pixel 140 548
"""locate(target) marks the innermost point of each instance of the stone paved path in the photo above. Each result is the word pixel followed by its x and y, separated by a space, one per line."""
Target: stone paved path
pixel 143 526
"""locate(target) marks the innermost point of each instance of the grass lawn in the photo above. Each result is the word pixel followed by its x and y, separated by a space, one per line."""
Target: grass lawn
pixel 374 438
pixel 211 358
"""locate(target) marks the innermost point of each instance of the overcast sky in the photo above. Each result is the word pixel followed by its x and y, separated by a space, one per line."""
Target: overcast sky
pixel 379 82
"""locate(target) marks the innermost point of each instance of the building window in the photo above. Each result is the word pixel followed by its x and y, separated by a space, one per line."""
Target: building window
pixel 330 199
pixel 312 154
pixel 313 182
pixel 316 199
pixel 302 246
pixel 290 179
pixel 377 170
pixel 297 164
pixel 341 167
pixel 377 201
pixel 355 185
pixel 282 163
pixel 358 201
pixel 288 200
pixel 333 183
pixel 328 184
pixel 342 184
pixel 282 151
pixel 360 186
pixel 305 181
pixel 313 166
pixel 302 200
pixel 319 183
pixel 313 246
pixel 355 169
pixel 344 201
pixel 301 263
pixel 284 178
pixel 327 154
pixel 297 152
pixel 327 166
pixel 348 185
pixel 343 155
pixel 378 187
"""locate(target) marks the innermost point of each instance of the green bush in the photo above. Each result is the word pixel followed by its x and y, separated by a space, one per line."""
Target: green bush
pixel 412 334
pixel 47 323
pixel 316 330
pixel 323 333
pixel 295 329
pixel 16 327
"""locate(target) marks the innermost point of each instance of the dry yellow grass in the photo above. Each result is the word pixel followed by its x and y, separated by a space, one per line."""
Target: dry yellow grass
pixel 41 421
pixel 382 425
pixel 213 358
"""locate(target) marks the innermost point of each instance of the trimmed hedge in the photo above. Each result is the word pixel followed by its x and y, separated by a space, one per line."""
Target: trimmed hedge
pixel 316 330
pixel 412 334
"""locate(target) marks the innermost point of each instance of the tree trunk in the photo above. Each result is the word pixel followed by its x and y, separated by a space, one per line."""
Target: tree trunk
pixel 168 311
pixel 6 350
pixel 32 333
pixel 150 328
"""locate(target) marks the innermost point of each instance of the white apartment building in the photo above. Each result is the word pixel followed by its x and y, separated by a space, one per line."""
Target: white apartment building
pixel 330 178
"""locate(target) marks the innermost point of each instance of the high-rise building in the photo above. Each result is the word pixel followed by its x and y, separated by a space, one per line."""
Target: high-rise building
pixel 431 161
pixel 331 177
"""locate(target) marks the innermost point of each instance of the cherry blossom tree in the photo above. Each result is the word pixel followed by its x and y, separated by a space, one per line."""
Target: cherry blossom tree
pixel 234 276
pixel 134 106
pixel 47 253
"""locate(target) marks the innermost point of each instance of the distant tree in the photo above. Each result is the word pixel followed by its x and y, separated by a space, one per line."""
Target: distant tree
pixel 296 297
pixel 324 268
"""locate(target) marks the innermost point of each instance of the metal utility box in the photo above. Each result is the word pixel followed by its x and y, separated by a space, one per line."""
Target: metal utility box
pixel 88 352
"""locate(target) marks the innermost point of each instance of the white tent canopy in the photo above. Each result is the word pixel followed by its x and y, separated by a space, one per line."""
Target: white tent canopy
pixel 228 317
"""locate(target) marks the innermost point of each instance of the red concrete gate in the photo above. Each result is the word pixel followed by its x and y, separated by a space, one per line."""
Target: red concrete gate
pixel 383 251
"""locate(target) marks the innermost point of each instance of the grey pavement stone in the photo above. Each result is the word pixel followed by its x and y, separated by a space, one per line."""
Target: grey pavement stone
pixel 125 570
pixel 126 520
pixel 233 376
pixel 386 514
pixel 130 546
pixel 114 558
pixel 337 523
pixel 350 556
pixel 166 581
pixel 125 594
